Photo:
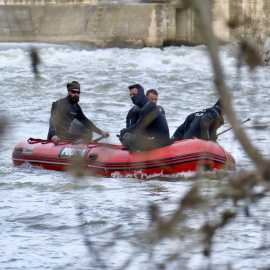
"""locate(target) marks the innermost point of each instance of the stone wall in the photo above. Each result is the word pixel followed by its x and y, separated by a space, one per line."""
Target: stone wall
pixel 103 25
pixel 47 2
pixel 253 12
pixel 121 24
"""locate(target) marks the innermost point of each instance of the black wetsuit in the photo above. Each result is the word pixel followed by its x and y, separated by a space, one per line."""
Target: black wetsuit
pixel 134 114
pixel 150 131
pixel 202 125
pixel 62 114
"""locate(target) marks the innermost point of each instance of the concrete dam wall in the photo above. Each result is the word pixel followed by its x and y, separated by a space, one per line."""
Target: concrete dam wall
pixel 120 24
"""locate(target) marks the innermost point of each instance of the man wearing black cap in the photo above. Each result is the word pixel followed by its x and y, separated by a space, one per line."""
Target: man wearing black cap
pixel 151 130
pixel 202 125
pixel 64 111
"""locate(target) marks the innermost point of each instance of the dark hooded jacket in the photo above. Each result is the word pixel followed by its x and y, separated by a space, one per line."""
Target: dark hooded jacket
pixel 134 114
pixel 151 122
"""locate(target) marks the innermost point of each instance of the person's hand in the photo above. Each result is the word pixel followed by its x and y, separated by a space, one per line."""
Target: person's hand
pixel 122 132
pixel 55 139
pixel 105 134
pixel 119 137
pixel 71 129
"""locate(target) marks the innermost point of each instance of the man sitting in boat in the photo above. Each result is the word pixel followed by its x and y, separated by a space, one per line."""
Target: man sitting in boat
pixel 134 113
pixel 64 111
pixel 151 130
pixel 202 125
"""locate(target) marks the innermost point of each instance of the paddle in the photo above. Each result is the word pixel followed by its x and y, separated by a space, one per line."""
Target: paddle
pixel 93 141
pixel 32 140
pixel 98 139
pixel 232 128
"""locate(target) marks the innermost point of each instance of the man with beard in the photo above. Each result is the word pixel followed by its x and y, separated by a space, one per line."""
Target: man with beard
pixel 64 111
pixel 151 130
pixel 134 113
pixel 202 125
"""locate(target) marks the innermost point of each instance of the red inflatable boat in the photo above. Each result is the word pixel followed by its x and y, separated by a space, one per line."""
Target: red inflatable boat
pixel 113 160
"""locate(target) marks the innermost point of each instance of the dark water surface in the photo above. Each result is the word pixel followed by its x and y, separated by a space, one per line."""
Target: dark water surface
pixel 40 225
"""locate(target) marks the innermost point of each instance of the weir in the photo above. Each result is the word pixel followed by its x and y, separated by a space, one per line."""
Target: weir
pixel 127 23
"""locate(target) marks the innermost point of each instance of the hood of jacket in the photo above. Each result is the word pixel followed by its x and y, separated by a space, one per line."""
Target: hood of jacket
pixel 140 98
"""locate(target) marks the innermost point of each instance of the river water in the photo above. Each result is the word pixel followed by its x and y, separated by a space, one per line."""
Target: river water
pixel 48 215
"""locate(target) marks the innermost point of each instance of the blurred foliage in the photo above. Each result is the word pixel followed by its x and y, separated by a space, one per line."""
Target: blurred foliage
pixel 250 37
pixel 35 60
pixel 250 55
pixel 247 28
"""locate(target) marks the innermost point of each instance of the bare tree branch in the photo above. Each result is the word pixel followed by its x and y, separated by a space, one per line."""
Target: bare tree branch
pixel 202 10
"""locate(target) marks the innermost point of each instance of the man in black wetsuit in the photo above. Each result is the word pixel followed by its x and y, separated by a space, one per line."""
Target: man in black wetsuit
pixel 134 113
pixel 64 111
pixel 202 125
pixel 151 130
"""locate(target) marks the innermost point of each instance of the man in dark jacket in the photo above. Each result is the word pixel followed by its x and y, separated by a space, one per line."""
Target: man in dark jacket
pixel 202 125
pixel 64 111
pixel 151 130
pixel 134 113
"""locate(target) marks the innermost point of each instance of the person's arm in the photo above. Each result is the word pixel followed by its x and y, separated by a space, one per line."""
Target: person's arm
pixel 189 121
pixel 216 121
pixel 133 116
pixel 148 114
pixel 54 119
pixel 89 124
pixel 181 130
pixel 179 133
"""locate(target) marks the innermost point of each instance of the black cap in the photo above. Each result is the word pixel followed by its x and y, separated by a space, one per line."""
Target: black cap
pixel 73 85
pixel 138 86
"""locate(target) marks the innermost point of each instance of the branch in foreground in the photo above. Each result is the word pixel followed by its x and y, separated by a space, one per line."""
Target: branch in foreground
pixel 202 10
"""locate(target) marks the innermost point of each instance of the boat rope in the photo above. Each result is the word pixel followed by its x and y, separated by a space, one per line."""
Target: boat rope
pixel 89 145
pixel 33 140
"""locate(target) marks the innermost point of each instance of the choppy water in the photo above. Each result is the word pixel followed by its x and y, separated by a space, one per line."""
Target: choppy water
pixel 40 225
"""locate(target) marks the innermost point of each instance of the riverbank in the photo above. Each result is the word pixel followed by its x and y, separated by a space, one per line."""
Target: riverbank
pixel 121 23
